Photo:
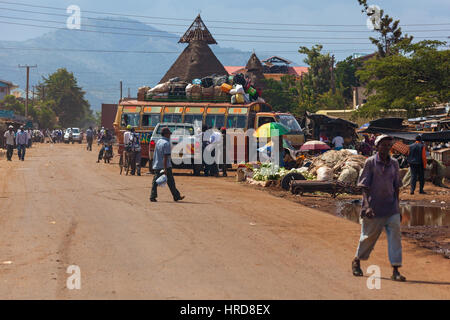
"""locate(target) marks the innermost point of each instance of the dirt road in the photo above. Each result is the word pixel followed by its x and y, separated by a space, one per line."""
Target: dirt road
pixel 60 208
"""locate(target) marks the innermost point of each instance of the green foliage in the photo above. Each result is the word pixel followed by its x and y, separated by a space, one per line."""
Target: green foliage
pixel 318 78
pixel 346 77
pixel 11 103
pixel 330 101
pixel 282 95
pixel 415 78
pixel 69 104
pixel 313 92
pixel 45 115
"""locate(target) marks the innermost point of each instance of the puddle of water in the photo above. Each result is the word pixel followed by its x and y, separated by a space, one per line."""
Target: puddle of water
pixel 413 215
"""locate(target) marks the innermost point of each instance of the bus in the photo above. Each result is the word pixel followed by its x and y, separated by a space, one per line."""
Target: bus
pixel 145 115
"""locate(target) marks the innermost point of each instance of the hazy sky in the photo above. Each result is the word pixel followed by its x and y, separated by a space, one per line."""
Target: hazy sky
pixel 270 13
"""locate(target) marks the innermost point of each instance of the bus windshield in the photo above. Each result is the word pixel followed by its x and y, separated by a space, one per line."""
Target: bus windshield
pixel 193 118
pixel 150 120
pixel 130 119
pixel 215 121
pixel 290 122
pixel 236 121
pixel 170 117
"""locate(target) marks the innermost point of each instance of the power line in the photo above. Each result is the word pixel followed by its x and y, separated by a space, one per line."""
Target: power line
pixel 218 34
pixel 142 35
pixel 213 21
pixel 184 26
pixel 157 52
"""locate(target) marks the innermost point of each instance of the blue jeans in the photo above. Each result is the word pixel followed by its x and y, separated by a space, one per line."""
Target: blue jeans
pixel 21 151
pixel 371 230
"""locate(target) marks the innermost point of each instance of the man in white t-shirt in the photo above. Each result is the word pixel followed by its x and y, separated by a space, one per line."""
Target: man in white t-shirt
pixel 10 138
pixel 338 143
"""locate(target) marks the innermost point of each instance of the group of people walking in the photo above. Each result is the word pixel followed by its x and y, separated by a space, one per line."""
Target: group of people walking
pixel 22 139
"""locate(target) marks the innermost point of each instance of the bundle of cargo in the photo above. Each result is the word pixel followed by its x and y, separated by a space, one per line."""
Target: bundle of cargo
pixel 142 91
pixel 177 90
pixel 341 165
pixel 161 91
pixel 223 88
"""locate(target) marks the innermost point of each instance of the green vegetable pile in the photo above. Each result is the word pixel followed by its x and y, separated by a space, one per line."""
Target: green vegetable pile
pixel 270 171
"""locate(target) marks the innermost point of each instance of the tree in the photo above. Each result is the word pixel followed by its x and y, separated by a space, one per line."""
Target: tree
pixel 45 115
pixel 282 95
pixel 11 103
pixel 70 106
pixel 346 77
pixel 318 78
pixel 416 78
pixel 390 34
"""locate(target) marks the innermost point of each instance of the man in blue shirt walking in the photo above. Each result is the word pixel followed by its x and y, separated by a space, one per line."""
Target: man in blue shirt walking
pixel 162 161
pixel 21 142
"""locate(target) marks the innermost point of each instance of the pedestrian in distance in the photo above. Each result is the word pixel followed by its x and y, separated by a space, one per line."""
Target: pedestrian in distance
pixel 162 161
pixel 10 137
pixel 224 151
pixel 417 159
pixel 136 153
pixel 105 140
pixel 21 142
pixel 338 142
pixel 89 138
pixel 215 144
pixel 380 210
pixel 30 140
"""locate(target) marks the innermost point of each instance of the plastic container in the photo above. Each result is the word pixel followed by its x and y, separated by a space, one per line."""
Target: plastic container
pixel 162 180
pixel 240 98
pixel 225 87
pixel 252 91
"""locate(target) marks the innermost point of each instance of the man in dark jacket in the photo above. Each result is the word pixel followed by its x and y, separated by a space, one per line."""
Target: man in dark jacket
pixel 417 159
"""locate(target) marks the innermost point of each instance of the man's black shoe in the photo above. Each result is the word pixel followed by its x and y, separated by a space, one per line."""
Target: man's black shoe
pixel 180 198
pixel 356 268
pixel 412 192
pixel 153 200
pixel 422 192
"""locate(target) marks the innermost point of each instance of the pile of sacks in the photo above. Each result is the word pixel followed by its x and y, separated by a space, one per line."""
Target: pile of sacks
pixel 237 89
pixel 341 165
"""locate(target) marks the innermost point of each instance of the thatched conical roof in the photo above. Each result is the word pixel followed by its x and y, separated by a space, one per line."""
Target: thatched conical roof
pixel 196 61
pixel 197 31
pixel 254 70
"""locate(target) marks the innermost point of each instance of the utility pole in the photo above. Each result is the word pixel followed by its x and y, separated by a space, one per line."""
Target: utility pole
pixel 129 93
pixel 120 91
pixel 28 85
pixel 333 84
pixel 32 99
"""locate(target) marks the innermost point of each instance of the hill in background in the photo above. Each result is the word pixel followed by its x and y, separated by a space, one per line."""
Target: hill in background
pixel 99 73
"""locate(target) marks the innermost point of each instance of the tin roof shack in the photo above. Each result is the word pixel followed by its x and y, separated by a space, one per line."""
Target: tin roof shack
pixel 5 88
pixel 396 128
pixel 331 126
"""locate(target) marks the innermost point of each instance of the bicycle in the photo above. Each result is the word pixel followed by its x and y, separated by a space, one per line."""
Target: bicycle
pixel 125 161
